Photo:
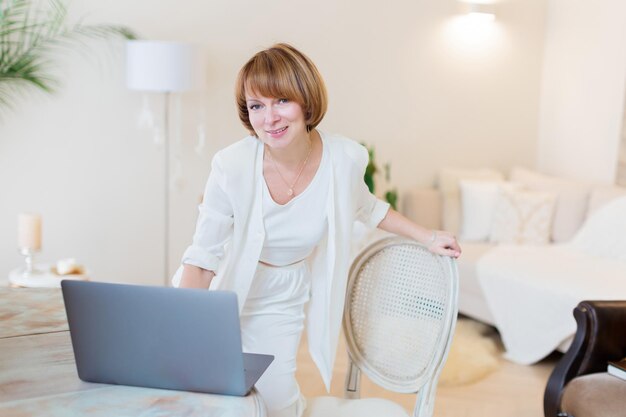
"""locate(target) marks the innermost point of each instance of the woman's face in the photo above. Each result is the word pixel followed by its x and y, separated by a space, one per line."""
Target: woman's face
pixel 276 121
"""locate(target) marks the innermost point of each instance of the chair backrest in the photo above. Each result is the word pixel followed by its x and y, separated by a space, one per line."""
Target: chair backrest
pixel 599 338
pixel 400 314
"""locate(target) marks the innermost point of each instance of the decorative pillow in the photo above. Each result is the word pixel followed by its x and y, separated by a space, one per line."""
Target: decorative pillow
pixel 603 194
pixel 448 183
pixel 572 198
pixel 604 233
pixel 522 216
pixel 478 200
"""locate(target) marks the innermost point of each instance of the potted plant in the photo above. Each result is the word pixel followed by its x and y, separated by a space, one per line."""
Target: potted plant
pixel 391 196
pixel 30 35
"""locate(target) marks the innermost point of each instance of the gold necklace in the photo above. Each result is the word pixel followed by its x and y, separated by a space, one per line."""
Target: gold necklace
pixel 306 159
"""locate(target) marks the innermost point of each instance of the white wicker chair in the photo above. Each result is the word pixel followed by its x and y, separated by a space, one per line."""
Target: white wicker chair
pixel 399 318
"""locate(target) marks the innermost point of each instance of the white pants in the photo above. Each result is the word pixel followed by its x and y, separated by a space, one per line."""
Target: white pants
pixel 272 321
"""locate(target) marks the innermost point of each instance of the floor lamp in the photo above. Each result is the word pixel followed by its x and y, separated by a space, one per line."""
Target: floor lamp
pixel 162 67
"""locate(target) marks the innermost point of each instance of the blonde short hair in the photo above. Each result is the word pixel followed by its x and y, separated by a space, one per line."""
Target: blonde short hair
pixel 282 72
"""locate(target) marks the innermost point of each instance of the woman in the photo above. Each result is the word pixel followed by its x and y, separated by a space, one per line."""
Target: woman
pixel 276 221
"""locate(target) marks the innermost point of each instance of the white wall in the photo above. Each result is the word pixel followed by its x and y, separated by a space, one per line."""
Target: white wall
pixel 404 76
pixel 583 89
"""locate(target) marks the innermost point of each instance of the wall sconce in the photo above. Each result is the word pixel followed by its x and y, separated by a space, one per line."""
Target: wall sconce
pixel 472 30
pixel 479 11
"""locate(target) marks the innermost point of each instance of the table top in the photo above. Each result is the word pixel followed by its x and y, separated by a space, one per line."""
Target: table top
pixel 26 311
pixel 38 372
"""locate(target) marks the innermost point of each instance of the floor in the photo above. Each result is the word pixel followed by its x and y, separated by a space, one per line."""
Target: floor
pixel 511 391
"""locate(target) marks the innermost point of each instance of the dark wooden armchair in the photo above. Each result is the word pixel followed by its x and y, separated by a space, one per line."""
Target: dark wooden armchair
pixel 600 337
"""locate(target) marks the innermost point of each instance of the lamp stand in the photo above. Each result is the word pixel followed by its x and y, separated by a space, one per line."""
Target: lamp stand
pixel 166 191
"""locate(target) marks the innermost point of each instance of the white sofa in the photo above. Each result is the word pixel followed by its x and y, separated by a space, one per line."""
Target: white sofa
pixel 528 290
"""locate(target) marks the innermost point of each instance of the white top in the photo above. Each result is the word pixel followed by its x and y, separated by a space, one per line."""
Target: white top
pixel 292 230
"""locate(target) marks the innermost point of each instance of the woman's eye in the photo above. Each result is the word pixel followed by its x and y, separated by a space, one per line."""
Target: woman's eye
pixel 283 100
pixel 254 106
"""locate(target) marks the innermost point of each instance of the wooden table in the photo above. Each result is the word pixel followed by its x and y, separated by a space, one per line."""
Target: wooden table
pixel 38 374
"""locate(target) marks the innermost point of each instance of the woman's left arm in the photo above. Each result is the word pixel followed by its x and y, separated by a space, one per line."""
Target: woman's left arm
pixel 437 241
pixel 370 210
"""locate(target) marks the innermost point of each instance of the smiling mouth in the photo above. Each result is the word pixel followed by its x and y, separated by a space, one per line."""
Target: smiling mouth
pixel 274 132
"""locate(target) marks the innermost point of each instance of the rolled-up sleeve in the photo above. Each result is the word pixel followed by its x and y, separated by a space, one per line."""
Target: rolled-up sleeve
pixel 370 210
pixel 215 222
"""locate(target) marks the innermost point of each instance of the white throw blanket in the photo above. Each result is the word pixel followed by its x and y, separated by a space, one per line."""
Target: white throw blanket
pixel 532 290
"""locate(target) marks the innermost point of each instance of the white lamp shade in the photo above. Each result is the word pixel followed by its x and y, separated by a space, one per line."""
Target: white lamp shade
pixel 162 66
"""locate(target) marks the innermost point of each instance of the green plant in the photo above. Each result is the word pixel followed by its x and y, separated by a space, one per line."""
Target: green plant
pixel 30 35
pixel 370 169
pixel 391 196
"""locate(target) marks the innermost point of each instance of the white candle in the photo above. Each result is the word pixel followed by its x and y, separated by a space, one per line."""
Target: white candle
pixel 29 231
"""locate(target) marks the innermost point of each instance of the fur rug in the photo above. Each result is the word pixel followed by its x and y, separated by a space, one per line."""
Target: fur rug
pixel 474 354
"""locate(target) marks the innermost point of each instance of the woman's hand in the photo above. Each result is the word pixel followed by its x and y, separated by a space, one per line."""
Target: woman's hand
pixel 443 243
pixel 437 241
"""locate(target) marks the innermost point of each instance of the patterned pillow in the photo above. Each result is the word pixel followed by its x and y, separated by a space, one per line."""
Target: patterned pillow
pixel 572 198
pixel 522 217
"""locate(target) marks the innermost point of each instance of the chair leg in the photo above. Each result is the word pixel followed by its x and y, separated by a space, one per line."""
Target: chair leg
pixel 425 404
pixel 353 382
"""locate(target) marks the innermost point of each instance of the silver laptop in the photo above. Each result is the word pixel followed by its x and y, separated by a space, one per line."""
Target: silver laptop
pixel 158 337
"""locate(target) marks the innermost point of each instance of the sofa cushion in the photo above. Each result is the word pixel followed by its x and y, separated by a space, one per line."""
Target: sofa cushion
pixel 522 216
pixel 604 234
pixel 571 204
pixel 603 194
pixel 448 183
pixel 595 395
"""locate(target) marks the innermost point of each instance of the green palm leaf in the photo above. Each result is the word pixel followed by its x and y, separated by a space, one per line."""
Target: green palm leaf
pixel 31 35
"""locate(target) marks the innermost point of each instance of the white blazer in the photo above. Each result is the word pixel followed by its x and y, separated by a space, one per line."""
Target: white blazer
pixel 230 233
